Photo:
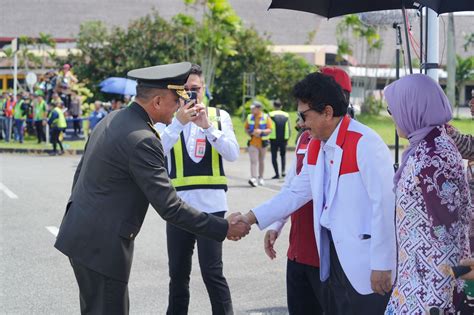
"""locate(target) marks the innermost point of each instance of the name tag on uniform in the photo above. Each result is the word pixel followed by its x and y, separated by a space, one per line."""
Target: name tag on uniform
pixel 200 148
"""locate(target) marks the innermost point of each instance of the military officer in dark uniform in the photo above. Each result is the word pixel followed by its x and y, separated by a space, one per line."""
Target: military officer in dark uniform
pixel 121 172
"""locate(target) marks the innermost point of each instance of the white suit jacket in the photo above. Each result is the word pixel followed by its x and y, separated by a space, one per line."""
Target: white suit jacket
pixel 361 203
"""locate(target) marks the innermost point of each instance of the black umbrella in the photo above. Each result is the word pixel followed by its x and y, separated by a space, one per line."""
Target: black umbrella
pixel 333 8
pixel 443 6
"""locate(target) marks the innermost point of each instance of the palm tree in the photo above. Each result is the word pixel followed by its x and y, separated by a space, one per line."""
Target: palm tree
pixel 464 73
pixel 45 41
pixel 352 27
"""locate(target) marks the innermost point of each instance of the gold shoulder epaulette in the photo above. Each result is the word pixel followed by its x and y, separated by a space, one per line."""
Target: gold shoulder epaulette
pixel 154 130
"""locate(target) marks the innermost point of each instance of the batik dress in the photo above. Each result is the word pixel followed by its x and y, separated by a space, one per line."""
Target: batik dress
pixel 432 221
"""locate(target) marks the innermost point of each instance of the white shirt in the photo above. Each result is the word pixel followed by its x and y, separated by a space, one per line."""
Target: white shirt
pixel 223 141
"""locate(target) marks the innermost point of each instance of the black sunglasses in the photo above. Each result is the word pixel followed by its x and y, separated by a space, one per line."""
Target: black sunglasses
pixel 193 89
pixel 301 115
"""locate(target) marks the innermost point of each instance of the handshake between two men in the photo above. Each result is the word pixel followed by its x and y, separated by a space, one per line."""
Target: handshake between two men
pixel 239 225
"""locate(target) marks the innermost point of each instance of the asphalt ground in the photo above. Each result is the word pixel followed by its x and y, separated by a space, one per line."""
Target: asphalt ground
pixel 35 278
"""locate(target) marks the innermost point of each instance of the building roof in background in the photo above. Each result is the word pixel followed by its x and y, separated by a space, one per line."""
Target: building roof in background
pixel 284 27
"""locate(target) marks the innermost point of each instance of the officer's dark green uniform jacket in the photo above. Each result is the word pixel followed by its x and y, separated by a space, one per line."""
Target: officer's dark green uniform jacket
pixel 121 172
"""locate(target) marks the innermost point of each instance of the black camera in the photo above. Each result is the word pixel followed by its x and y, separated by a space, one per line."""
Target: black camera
pixel 192 96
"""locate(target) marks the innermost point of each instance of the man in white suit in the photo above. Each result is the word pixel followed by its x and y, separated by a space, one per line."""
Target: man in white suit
pixel 348 173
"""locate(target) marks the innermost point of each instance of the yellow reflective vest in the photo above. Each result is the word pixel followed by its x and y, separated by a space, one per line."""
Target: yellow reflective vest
pixel 261 125
pixel 281 125
pixel 208 173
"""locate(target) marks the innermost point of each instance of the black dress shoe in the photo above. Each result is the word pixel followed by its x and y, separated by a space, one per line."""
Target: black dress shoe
pixel 276 177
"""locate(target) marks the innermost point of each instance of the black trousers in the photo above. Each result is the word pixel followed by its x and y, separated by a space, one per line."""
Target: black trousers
pixel 180 252
pixel 276 145
pixel 40 131
pixel 304 290
pixel 55 132
pixel 343 299
pixel 76 123
pixel 99 294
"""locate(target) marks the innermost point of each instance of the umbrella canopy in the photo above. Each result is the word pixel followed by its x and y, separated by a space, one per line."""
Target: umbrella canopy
pixel 116 85
pixel 443 6
pixel 332 8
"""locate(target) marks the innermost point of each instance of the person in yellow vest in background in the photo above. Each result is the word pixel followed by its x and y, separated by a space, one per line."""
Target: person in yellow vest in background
pixel 40 111
pixel 279 137
pixel 19 117
pixel 195 143
pixel 57 124
pixel 258 126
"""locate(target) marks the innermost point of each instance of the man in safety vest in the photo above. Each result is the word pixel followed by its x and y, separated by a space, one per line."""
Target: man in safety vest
pixel 19 117
pixel 279 137
pixel 57 124
pixel 8 106
pixel 258 126
pixel 195 143
pixel 40 113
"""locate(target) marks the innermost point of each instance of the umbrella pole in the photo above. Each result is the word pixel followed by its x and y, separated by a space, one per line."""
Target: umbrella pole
pixel 399 42
pixel 405 18
pixel 426 41
pixel 421 39
pixel 398 35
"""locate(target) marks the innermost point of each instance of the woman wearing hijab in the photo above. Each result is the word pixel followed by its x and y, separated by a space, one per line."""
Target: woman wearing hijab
pixel 432 211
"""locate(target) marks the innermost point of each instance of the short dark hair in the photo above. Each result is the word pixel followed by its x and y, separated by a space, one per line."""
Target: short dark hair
pixel 146 93
pixel 319 90
pixel 347 95
pixel 277 104
pixel 196 69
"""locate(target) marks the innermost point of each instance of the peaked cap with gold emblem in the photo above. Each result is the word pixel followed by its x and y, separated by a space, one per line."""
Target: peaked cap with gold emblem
pixel 172 76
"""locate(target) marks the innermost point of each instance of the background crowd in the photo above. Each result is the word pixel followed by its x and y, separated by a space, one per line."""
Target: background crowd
pixel 32 113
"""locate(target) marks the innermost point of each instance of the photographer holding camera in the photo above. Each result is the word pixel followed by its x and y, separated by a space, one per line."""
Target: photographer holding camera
pixel 195 143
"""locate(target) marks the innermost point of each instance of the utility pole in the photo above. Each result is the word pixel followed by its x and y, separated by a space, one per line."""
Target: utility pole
pixel 432 44
pixel 15 67
pixel 451 62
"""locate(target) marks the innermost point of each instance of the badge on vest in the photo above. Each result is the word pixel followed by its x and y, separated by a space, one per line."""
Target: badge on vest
pixel 200 148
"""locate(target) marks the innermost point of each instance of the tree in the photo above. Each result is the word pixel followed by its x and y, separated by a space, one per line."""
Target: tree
pixel 26 58
pixel 464 73
pixel 151 40
pixel 45 41
pixel 275 75
pixel 147 41
pixel 469 41
pixel 349 32
pixel 215 35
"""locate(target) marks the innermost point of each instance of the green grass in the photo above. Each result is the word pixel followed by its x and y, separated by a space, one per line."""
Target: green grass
pixel 381 124
pixel 30 142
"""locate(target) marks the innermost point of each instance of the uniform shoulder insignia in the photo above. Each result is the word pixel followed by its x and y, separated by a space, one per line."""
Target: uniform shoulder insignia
pixel 154 130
